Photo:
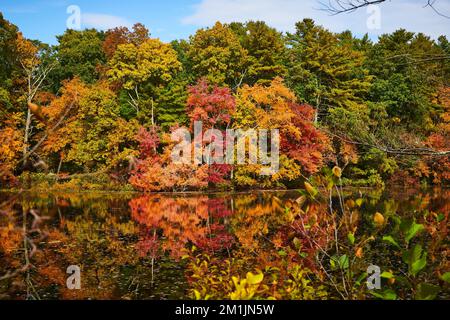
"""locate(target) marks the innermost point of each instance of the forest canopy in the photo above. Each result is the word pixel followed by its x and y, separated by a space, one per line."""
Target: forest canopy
pixel 97 109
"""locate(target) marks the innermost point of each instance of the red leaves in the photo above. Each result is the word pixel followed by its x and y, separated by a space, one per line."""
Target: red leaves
pixel 219 173
pixel 148 141
pixel 212 105
pixel 309 147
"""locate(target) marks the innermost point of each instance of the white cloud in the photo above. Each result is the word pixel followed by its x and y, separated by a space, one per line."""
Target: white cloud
pixel 103 21
pixel 283 14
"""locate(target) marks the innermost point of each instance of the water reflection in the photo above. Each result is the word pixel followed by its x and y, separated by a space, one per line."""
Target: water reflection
pixel 132 246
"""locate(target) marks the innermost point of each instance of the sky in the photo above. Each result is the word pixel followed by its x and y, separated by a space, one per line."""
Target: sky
pixel 177 19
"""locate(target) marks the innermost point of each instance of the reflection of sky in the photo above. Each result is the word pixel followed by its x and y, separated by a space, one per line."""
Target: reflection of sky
pixel 173 19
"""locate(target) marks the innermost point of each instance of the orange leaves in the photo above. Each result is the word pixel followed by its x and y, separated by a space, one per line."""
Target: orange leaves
pixel 156 172
pixel 10 148
pixel 437 167
pixel 27 52
pixel 265 107
pixel 275 107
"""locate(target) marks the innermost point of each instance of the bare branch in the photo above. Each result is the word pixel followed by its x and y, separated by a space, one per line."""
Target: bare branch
pixel 335 7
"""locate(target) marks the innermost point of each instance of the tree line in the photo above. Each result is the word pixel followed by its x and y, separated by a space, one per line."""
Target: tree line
pixel 97 109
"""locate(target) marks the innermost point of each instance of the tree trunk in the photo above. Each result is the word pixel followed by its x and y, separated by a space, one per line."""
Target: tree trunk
pixel 26 136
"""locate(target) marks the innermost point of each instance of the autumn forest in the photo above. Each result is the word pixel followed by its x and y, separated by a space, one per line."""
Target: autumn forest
pixel 87 176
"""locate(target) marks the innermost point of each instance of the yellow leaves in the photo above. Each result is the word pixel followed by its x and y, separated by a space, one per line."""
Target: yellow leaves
pixel 246 289
pixel 216 54
pixel 337 172
pixel 379 220
pixel 253 279
pixel 359 202
pixel 266 107
pixel 152 61
pixel 311 190
pixel 27 52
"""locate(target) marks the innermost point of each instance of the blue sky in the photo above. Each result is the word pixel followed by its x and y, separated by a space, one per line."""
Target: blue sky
pixel 174 19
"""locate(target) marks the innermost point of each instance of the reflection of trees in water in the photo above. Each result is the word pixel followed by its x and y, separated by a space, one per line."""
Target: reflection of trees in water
pixel 121 253
pixel 172 222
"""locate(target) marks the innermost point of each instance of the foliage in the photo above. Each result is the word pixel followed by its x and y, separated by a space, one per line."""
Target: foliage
pixel 376 109
pixel 79 54
pixel 325 71
pixel 151 60
pixel 217 54
pixel 86 129
pixel 266 49
pixel 212 105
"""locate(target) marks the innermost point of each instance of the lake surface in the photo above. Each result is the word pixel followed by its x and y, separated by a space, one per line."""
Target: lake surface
pixel 135 246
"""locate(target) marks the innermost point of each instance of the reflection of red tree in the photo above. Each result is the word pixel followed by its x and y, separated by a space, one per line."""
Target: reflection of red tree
pixel 148 245
pixel 171 223
pixel 218 237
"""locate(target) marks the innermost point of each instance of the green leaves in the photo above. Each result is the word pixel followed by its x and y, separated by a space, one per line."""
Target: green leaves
pixel 416 259
pixel 410 229
pixel 387 294
pixel 387 275
pixel 446 277
pixel 391 240
pixel 351 238
pixel 341 262
pixel 427 291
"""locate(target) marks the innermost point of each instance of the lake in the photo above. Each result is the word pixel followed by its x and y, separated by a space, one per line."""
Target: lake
pixel 183 246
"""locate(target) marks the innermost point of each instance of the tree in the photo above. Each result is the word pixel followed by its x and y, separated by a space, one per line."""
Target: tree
pixel 122 35
pixel 275 107
pixel 323 71
pixel 266 50
pixel 170 103
pixel 91 133
pixel 406 89
pixel 35 73
pixel 8 60
pixel 11 148
pixel 210 104
pixel 156 172
pixel 80 54
pixel 152 63
pixel 217 55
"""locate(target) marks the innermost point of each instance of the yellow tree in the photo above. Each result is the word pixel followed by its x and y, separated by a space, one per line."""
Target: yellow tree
pixel 301 143
pixel 217 54
pixel 151 63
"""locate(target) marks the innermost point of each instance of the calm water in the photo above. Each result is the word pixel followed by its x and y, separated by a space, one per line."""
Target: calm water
pixel 130 246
